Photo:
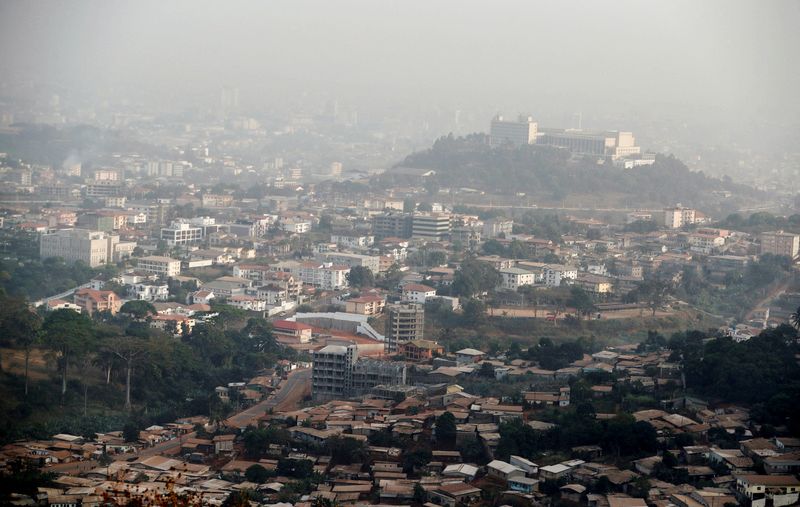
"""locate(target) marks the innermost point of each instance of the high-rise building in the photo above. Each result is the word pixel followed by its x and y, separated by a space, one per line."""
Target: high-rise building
pixel 95 248
pixel 337 372
pixel 780 243
pixel 392 225
pixel 432 226
pixel 517 133
pixel 404 322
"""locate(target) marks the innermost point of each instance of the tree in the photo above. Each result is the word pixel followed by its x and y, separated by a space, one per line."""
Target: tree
pixel 446 428
pixel 475 277
pixel 420 495
pixel 130 432
pixel 654 292
pixel 581 301
pixel 258 474
pixel 360 277
pixel 129 349
pixel 69 334
pixel 138 309
pixel 19 326
pixel 486 370
pixel 794 318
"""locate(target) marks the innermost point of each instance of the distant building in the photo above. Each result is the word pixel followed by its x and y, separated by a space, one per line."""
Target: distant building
pixel 417 293
pixel 91 301
pixel 513 278
pixel 420 350
pixel 405 322
pixel 94 248
pixel 677 217
pixel 365 305
pixel 515 133
pixel 162 266
pixel 337 372
pixel 181 233
pixel 780 243
pixel 431 226
pixel 496 227
pixel 614 144
pixel 392 225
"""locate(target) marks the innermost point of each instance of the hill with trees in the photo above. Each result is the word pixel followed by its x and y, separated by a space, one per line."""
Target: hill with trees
pixel 550 175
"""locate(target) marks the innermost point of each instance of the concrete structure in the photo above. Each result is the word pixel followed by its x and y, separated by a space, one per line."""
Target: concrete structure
pixel 677 217
pixel 371 262
pixel 94 248
pixel 768 490
pixel 417 293
pixel 556 274
pixel 162 266
pixel 780 243
pixel 431 226
pixel 496 227
pixel 514 133
pixel 181 233
pixel 337 372
pixel 290 329
pixel 365 305
pixel 420 350
pixel 405 322
pixel 351 239
pixel 512 278
pixel 392 225
pixel 614 144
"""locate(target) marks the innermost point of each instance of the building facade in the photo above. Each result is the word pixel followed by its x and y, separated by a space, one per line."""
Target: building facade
pixel 405 322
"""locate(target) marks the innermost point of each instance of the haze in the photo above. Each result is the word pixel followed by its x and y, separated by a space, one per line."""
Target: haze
pixel 725 64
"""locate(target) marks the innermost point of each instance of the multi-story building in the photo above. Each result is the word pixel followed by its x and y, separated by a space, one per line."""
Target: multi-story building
pixel 149 291
pixel 677 217
pixel 365 305
pixel 371 262
pixel 516 133
pixel 405 322
pixel 296 226
pixel 94 248
pixel 337 372
pixel 431 226
pixel 556 274
pixel 614 144
pixel 162 266
pixel 512 278
pixel 181 233
pixel 421 350
pixel 392 225
pixel 780 243
pixel 92 301
pixel 352 239
pixel 417 293
pixel 102 188
pixel 496 227
pixel 322 275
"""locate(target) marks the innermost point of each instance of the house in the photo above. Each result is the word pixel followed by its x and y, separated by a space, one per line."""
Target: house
pixel 558 398
pixel 503 471
pixel 554 472
pixel 295 330
pixel 523 484
pixel 528 466
pixel 365 305
pixel 417 293
pixel 248 303
pixel 768 490
pixel 572 492
pixel 223 443
pixel 420 350
pixel 91 301
pixel 453 494
pixel 462 471
pixel 176 325
pixel 466 356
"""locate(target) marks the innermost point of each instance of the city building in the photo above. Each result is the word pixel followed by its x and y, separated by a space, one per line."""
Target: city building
pixel 365 305
pixel 297 331
pixel 780 243
pixel 162 266
pixel 420 350
pixel 678 216
pixel 351 239
pixel 614 144
pixel 417 293
pixel 512 278
pixel 371 262
pixel 497 227
pixel 431 226
pixel 515 133
pixel 94 248
pixel 405 322
pixel 181 233
pixel 337 373
pixel 392 224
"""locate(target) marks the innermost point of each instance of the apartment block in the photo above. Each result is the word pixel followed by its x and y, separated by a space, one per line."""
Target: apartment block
pixel 337 372
pixel 94 248
pixel 431 226
pixel 780 243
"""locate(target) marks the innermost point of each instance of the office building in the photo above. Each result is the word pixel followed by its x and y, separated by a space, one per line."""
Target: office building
pixel 431 226
pixel 181 233
pixel 515 133
pixel 614 144
pixel 94 248
pixel 780 243
pixel 404 322
pixel 392 225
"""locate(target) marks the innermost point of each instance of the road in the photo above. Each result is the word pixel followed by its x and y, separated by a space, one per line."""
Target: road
pixel 290 392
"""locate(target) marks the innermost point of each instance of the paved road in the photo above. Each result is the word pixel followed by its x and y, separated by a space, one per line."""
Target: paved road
pixel 292 388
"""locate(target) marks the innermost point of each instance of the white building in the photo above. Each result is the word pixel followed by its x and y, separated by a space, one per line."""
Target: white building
pixel 149 292
pixel 555 274
pixel 677 217
pixel 162 266
pixel 248 303
pixel 516 277
pixel 94 248
pixel 516 133
pixel 181 233
pixel 417 293
pixel 296 226
pixel 371 262
pixel 352 239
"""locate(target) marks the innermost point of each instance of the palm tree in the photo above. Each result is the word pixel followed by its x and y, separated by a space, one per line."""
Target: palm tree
pixel 795 319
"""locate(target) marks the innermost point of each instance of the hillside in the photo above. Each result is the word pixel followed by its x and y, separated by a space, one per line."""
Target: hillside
pixel 550 176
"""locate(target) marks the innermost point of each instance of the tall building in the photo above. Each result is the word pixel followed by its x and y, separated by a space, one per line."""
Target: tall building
pixel 392 225
pixel 337 372
pixel 404 322
pixel 432 226
pixel 517 133
pixel 94 248
pixel 780 243
pixel 677 217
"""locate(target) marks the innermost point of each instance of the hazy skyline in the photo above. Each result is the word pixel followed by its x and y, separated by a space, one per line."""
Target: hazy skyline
pixel 736 58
